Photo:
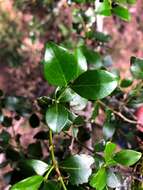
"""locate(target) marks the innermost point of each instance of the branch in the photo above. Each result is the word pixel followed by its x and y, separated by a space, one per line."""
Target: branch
pixel 118 114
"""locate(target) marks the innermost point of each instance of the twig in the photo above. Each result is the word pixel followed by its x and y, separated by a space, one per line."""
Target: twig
pixel 55 164
pixel 118 113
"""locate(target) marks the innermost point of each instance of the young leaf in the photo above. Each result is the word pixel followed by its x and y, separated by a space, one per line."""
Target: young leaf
pixel 56 117
pixel 78 168
pixel 127 157
pixel 38 166
pixel 108 153
pixel 104 8
pixel 99 179
pixel 59 65
pixel 122 12
pixel 113 180
pixel 32 183
pixel 81 61
pixel 137 67
pixel 95 84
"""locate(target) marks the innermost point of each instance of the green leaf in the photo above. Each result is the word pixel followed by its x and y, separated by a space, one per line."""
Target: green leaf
pixel 81 61
pixel 51 185
pixel 56 117
pixel 126 83
pixel 38 166
pixel 109 152
pixel 131 1
pixel 104 8
pixel 35 150
pixel 95 84
pixel 99 179
pixel 98 36
pixel 122 12
pixel 92 57
pixel 78 168
pixel 78 103
pixel 137 67
pixel 113 180
pixel 59 65
pixel 127 157
pixel 30 183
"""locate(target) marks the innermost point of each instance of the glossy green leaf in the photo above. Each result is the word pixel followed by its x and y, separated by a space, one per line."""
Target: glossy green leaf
pixel 113 180
pixel 92 57
pixel 109 152
pixel 78 103
pixel 126 83
pixel 59 65
pixel 81 61
pixel 56 117
pixel 104 8
pixel 95 84
pixel 127 157
pixel 78 167
pixel 30 183
pixel 98 36
pixel 38 166
pixel 122 12
pixel 137 67
pixel 99 179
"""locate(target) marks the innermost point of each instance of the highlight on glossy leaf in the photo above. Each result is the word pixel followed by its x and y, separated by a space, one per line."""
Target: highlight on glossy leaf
pixel 78 167
pixel 56 117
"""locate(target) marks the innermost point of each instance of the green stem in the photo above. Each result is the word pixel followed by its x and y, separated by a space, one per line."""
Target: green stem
pixel 55 164
pixel 48 173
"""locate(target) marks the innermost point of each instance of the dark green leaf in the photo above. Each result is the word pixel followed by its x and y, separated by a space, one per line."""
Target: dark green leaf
pixel 98 36
pixel 137 67
pixel 56 117
pixel 127 157
pixel 35 150
pixel 99 179
pixel 78 168
pixel 95 84
pixel 121 12
pixel 30 183
pixel 59 65
pixel 37 166
pixel 34 121
pixel 126 83
pixel 51 185
pixel 4 137
pixel 7 121
pixel 91 56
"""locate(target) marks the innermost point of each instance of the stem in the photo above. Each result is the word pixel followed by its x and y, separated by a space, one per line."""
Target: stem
pixel 48 173
pixel 118 113
pixel 55 164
